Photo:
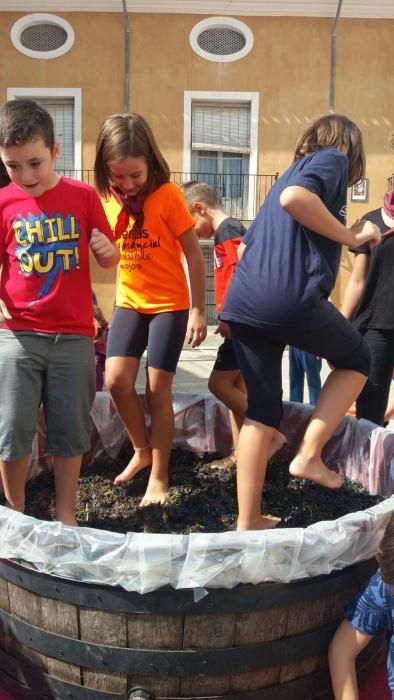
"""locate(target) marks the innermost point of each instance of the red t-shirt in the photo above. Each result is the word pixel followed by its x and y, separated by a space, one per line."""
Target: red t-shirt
pixel 44 255
pixel 228 236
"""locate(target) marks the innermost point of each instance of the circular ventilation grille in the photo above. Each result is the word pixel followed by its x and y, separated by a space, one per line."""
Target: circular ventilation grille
pixel 221 42
pixel 43 37
pixel 221 39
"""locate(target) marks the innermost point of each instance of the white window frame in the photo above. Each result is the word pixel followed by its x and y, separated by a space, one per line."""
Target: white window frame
pixel 42 18
pixel 75 93
pixel 252 98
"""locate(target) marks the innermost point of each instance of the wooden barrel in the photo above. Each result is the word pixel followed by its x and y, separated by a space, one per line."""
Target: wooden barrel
pixel 73 641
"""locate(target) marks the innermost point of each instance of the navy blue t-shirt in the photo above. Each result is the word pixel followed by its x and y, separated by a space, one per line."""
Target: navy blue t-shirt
pixel 286 268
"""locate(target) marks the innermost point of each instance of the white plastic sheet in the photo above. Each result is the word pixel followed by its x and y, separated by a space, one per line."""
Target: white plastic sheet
pixel 143 562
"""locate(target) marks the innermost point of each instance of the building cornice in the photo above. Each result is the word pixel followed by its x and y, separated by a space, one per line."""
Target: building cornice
pixel 297 8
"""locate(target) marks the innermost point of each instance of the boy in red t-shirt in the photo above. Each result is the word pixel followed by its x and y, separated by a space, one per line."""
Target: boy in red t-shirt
pixel 225 381
pixel 47 224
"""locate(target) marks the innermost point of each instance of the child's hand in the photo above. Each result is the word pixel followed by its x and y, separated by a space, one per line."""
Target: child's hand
pixel 107 253
pixel 4 313
pixel 223 329
pixel 196 328
pixel 366 232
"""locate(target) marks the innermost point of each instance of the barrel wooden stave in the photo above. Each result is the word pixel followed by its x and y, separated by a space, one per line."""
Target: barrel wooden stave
pixel 183 632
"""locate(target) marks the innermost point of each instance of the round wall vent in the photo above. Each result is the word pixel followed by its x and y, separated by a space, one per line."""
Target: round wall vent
pixel 221 39
pixel 42 36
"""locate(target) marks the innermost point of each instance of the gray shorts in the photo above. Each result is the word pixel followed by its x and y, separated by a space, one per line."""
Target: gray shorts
pixel 55 370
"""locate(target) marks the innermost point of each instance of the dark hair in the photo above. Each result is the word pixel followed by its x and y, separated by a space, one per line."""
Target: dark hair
pixel 385 554
pixel 101 320
pixel 22 121
pixel 337 131
pixel 196 191
pixel 124 136
pixel 4 177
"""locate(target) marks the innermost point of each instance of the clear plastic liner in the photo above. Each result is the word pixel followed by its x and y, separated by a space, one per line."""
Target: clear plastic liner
pixel 144 562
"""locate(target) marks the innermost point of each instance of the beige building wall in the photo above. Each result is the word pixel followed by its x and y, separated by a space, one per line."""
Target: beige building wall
pixel 289 67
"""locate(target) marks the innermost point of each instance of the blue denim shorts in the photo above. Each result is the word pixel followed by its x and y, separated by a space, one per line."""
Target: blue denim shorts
pixel 55 370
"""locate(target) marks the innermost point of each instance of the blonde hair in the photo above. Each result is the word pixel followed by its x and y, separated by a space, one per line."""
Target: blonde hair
pixel 339 132
pixel 124 136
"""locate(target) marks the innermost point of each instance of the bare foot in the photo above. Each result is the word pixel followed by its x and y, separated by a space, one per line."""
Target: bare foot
pixel 19 507
pixel 157 492
pixel 264 522
pixel 139 460
pixel 316 471
pixel 67 519
pixel 278 441
pixel 224 463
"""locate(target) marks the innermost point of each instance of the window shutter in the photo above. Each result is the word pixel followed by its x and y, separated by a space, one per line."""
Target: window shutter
pixel 62 113
pixel 221 127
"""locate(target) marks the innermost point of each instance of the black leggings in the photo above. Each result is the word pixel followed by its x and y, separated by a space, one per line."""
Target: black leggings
pixel 163 335
pixel 372 402
pixel 259 352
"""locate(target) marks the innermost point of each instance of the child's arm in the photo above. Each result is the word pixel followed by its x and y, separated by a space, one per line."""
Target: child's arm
pixel 308 209
pixel 197 326
pixel 343 651
pixel 240 250
pixel 355 285
pixel 105 252
pixel 4 313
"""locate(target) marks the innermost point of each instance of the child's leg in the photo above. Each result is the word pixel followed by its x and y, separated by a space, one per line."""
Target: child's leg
pixel 229 387
pixel 127 340
pixel 66 471
pixel 345 646
pixel 260 362
pixel 338 393
pixel 165 341
pixel 69 393
pixel 120 377
pixel 372 402
pixel 14 475
pixel 252 457
pixel 23 361
pixel 159 396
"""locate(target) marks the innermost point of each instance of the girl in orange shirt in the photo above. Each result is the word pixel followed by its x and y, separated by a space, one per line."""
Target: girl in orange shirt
pixel 154 230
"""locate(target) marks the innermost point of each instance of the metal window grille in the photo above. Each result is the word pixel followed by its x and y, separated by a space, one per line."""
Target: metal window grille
pixel 43 37
pixel 221 41
pixel 207 251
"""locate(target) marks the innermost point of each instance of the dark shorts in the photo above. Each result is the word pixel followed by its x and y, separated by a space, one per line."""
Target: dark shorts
pixel 226 359
pixel 163 335
pixel 259 352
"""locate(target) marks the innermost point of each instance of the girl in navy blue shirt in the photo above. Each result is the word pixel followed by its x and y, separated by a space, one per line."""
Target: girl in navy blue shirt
pixel 279 296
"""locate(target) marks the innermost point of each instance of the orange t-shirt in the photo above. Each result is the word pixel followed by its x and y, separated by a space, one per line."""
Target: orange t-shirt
pixel 152 278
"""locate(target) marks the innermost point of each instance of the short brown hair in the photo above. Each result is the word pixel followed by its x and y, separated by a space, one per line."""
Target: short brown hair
pixel 339 132
pixel 22 121
pixel 385 554
pixel 124 136
pixel 196 191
